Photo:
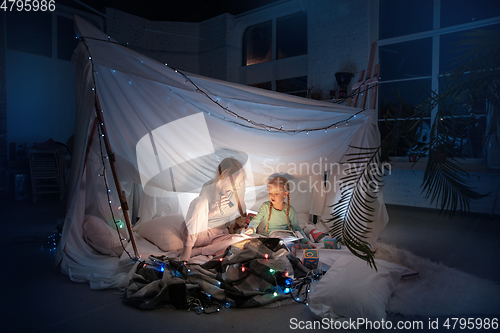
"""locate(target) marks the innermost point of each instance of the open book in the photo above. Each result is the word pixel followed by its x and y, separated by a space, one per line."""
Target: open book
pixel 287 236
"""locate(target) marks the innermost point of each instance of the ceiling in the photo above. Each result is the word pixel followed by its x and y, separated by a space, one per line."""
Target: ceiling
pixel 172 10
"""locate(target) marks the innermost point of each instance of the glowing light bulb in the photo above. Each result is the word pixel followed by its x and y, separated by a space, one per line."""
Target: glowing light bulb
pixel 266 255
pixel 271 270
pixel 275 294
pixel 220 259
pixel 242 268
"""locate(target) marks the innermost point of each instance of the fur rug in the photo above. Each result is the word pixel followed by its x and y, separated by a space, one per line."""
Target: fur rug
pixel 440 290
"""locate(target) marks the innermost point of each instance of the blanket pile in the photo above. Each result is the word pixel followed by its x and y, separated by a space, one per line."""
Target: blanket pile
pixel 250 273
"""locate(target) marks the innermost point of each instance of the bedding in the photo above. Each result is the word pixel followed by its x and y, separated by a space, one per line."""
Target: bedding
pixel 250 273
pixel 351 289
pixel 348 289
pixel 101 237
pixel 164 232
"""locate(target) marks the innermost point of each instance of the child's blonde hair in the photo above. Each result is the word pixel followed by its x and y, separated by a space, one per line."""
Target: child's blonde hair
pixel 282 182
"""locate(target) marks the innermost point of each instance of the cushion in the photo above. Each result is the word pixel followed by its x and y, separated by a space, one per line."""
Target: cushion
pixel 164 232
pixel 351 289
pixel 101 237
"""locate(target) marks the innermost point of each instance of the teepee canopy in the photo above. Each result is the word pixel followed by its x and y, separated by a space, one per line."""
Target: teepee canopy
pixel 169 129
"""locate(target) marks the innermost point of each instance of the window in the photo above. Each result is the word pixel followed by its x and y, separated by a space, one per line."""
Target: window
pixel 295 86
pixel 257 44
pixel 291 35
pixel 274 53
pixel 30 32
pixel 455 12
pixel 398 18
pixel 290 39
pixel 415 51
pixel 263 85
pixel 402 61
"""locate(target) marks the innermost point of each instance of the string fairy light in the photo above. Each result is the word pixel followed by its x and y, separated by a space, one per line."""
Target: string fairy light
pixel 257 125
pixel 118 224
pixel 247 122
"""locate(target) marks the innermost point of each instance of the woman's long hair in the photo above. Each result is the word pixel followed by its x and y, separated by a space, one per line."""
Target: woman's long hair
pixel 229 167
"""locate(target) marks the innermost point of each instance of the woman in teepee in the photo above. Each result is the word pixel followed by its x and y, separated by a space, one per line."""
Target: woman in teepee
pixel 205 228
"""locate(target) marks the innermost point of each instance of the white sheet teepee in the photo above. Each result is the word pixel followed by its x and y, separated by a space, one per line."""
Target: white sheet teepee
pixel 170 129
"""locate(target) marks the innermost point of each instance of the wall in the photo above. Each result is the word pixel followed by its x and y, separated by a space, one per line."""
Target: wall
pixel 215 34
pixel 339 41
pixel 404 187
pixel 41 99
pixel 3 100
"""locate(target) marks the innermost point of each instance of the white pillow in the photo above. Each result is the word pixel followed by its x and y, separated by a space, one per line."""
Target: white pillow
pixel 101 237
pixel 351 289
pixel 164 232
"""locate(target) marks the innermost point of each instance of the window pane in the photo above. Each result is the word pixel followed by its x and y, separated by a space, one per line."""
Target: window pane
pixel 291 35
pixel 404 97
pixel 295 86
pixel 464 11
pixel 410 92
pixel 30 32
pixel 406 60
pixel 465 122
pixel 398 18
pixel 466 134
pixel 412 138
pixel 449 50
pixel 263 85
pixel 66 41
pixel 257 40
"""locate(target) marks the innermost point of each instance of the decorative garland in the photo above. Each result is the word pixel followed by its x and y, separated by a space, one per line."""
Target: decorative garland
pixel 248 121
pixel 256 125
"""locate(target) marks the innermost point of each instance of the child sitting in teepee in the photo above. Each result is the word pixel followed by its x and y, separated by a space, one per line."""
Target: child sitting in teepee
pixel 276 213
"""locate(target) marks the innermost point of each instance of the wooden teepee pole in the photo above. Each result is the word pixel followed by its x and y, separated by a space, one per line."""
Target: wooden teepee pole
pixel 112 162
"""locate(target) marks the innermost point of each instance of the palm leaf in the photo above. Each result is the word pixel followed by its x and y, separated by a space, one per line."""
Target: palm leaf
pixel 353 213
pixel 445 181
pixel 476 75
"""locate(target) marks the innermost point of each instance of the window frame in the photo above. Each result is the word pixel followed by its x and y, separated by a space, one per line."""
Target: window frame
pixel 276 69
pixel 435 34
